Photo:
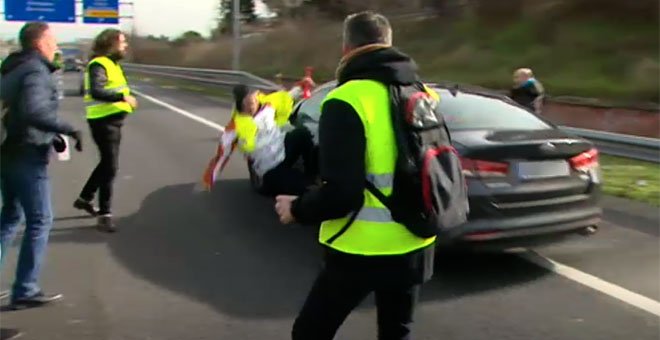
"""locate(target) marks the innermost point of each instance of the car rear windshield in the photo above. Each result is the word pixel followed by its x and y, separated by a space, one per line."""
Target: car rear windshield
pixel 463 112
pixel 474 112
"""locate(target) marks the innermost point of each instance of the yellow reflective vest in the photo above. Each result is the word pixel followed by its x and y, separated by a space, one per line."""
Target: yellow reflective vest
pixel 246 128
pixel 116 83
pixel 373 232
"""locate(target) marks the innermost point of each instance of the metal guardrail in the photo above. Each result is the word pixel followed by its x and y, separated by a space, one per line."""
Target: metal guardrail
pixel 225 78
pixel 642 148
pixel 636 147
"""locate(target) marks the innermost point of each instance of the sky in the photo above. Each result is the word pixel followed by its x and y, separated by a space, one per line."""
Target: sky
pixel 156 17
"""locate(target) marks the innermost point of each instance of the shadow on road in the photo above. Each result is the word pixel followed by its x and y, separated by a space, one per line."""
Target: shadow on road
pixel 227 249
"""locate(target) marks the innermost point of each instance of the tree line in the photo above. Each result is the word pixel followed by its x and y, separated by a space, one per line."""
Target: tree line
pixel 484 10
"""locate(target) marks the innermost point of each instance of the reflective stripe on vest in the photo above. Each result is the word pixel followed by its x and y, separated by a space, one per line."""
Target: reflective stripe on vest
pixel 373 232
pixel 116 83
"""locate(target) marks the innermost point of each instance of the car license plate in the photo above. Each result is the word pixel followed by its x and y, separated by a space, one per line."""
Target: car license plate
pixel 543 169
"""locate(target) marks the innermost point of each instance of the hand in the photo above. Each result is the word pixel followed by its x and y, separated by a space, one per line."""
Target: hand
pixel 59 144
pixel 283 208
pixel 308 81
pixel 132 101
pixel 77 137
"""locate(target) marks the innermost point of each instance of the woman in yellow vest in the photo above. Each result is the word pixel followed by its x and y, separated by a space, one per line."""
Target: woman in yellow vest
pixel 108 101
pixel 374 254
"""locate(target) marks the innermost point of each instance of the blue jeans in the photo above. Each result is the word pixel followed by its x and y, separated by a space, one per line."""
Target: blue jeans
pixel 25 188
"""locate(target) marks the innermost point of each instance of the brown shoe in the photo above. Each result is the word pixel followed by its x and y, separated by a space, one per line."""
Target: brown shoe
pixel 105 224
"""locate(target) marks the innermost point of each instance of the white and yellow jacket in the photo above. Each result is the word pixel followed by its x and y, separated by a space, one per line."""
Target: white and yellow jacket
pixel 259 137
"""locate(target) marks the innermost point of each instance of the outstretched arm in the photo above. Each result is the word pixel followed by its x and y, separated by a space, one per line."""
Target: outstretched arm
pixel 223 152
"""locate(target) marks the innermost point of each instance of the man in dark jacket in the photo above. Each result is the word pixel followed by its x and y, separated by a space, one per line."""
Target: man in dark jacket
pixel 30 97
pixel 374 253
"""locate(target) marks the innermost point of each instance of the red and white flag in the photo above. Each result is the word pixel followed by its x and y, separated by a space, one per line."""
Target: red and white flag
pixel 226 147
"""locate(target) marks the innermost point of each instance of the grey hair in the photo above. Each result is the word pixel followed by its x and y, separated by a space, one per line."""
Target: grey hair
pixel 366 28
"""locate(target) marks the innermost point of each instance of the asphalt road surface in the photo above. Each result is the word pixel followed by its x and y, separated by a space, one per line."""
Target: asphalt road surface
pixel 191 265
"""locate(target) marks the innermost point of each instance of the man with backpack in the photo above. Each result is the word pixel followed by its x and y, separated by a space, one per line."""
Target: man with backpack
pixel 377 180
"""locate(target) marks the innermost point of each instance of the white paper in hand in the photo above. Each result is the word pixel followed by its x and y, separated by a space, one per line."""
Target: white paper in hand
pixel 64 155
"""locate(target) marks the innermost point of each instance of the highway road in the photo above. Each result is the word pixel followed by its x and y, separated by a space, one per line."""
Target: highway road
pixel 193 265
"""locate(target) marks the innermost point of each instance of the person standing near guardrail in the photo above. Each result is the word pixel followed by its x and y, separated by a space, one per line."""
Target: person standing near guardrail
pixel 108 101
pixel 527 90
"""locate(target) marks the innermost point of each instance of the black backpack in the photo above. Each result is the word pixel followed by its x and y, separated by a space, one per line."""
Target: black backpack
pixel 429 193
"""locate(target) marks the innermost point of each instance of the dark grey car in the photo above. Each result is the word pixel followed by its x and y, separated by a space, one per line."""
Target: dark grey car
pixel 528 181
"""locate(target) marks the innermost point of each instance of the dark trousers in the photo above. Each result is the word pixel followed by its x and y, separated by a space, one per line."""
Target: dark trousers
pixel 106 133
pixel 285 179
pixel 335 294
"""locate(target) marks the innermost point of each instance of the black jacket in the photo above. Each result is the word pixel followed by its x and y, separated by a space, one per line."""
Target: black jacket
pixel 341 139
pixel 28 90
pixel 342 147
pixel 98 78
pixel 526 94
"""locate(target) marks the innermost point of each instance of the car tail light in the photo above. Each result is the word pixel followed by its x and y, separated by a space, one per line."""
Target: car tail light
pixel 585 161
pixel 480 168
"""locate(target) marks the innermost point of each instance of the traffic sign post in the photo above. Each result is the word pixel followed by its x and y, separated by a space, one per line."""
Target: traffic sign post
pixel 41 10
pixel 101 11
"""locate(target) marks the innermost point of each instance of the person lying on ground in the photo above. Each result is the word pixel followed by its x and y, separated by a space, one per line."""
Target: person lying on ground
pixel 256 128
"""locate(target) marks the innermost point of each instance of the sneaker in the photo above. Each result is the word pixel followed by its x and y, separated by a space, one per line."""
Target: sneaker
pixel 88 207
pixel 106 224
pixel 37 300
pixel 9 333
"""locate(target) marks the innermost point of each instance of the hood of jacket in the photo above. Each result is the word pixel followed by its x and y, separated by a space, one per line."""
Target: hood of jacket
pixel 16 59
pixel 382 63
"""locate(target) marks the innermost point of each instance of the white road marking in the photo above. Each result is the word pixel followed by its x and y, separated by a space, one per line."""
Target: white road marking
pixel 588 280
pixel 181 111
pixel 595 283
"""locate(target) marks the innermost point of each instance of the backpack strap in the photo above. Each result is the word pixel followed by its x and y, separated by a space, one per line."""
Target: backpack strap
pixel 374 191
pixel 379 195
pixel 343 229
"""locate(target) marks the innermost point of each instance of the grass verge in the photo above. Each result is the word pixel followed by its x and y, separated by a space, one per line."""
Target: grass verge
pixel 614 60
pixel 632 179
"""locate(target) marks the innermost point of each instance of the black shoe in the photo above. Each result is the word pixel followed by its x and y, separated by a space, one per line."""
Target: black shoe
pixel 81 204
pixel 106 224
pixel 9 333
pixel 37 300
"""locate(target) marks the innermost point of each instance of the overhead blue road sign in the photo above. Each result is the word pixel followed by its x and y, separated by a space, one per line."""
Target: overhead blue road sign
pixel 40 10
pixel 100 11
